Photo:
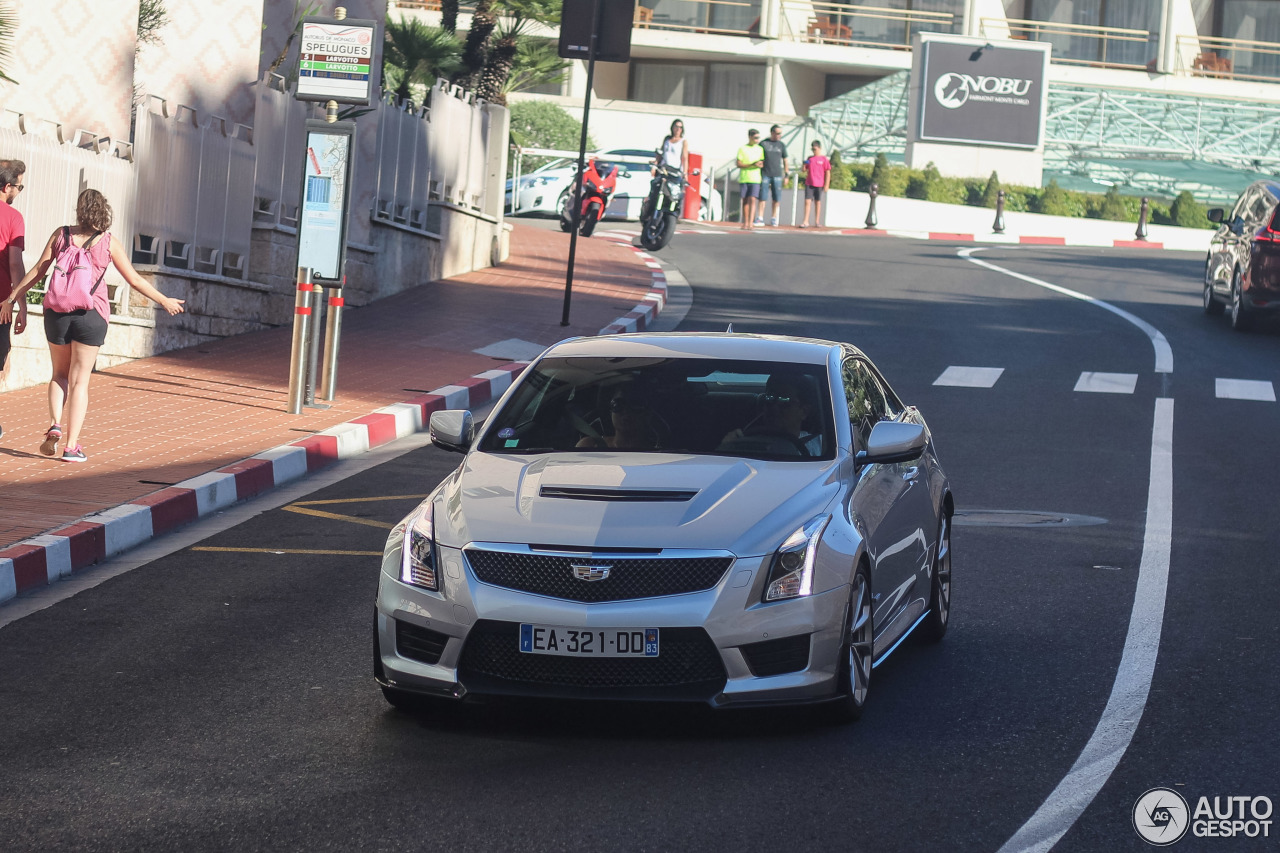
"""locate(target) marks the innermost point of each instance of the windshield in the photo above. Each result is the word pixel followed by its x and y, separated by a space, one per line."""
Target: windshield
pixel 758 409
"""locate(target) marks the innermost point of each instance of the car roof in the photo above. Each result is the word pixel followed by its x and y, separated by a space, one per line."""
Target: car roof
pixel 728 345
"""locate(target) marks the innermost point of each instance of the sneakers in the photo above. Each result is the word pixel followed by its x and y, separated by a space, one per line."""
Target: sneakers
pixel 73 454
pixel 774 222
pixel 758 221
pixel 51 438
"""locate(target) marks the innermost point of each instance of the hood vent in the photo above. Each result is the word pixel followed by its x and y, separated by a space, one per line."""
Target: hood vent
pixel 608 494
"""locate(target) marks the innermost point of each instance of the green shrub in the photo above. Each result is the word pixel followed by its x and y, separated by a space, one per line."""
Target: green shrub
pixel 991 192
pixel 1188 212
pixel 542 124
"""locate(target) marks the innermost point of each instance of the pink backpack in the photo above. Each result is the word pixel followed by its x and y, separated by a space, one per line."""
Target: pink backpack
pixel 71 284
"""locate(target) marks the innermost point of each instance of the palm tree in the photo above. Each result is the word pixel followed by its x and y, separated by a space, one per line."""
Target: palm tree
pixel 416 55
pixel 8 27
pixel 537 62
pixel 475 50
pixel 519 16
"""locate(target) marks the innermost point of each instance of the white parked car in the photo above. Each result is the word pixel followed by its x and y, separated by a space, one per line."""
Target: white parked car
pixel 719 518
pixel 544 190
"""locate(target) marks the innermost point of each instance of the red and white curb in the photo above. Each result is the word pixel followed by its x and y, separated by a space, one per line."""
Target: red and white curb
pixel 643 315
pixel 44 559
pixel 954 237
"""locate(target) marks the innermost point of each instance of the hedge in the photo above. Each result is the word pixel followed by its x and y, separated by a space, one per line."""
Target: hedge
pixel 930 185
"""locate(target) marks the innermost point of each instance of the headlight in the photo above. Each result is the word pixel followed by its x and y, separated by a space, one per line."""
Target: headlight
pixel 419 560
pixel 791 571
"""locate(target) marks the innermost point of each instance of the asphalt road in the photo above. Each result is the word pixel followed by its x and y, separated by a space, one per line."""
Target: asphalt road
pixel 220 697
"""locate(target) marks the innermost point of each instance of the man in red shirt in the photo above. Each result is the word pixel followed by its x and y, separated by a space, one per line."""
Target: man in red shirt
pixel 12 242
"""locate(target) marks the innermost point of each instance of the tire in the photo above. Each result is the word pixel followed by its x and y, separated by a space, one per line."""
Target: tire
pixel 854 680
pixel 934 627
pixel 589 220
pixel 1239 313
pixel 1212 306
pixel 566 220
pixel 668 230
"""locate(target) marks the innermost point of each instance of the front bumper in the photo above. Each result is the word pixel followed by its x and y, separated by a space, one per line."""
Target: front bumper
pixel 720 646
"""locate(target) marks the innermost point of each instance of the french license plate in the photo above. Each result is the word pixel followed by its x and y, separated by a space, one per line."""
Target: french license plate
pixel 589 642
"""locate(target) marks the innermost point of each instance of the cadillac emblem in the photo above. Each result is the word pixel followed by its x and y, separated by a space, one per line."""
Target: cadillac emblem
pixel 591 572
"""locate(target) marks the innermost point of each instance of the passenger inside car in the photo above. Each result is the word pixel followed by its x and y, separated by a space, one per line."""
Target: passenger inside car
pixel 780 424
pixel 629 421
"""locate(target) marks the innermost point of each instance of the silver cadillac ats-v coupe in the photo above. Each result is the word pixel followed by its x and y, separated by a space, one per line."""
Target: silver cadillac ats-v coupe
pixel 720 518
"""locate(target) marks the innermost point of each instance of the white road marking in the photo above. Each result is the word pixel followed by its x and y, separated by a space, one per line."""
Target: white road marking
pixel 1107 383
pixel 1245 389
pixel 969 377
pixel 512 348
pixel 1128 698
pixel 1164 354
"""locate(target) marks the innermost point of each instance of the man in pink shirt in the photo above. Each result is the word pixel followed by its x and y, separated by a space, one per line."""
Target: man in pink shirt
pixel 12 242
pixel 816 169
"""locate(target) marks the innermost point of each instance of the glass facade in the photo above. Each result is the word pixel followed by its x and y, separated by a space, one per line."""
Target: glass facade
pixel 1086 47
pixel 1252 20
pixel 719 85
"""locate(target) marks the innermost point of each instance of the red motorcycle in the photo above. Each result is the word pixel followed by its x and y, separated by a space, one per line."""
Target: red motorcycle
pixel 596 190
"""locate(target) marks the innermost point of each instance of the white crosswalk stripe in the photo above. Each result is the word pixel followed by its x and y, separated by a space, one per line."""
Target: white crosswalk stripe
pixel 969 377
pixel 1245 389
pixel 1107 383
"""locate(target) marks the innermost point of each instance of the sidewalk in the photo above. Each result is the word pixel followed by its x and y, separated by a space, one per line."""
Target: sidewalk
pixel 220 407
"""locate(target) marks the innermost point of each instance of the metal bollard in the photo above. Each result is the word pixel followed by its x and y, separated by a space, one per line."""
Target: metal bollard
pixel 301 334
pixel 872 220
pixel 1141 233
pixel 313 348
pixel 998 225
pixel 332 332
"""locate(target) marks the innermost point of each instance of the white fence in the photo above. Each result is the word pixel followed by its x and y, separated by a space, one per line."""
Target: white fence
pixel 195 181
pixel 62 162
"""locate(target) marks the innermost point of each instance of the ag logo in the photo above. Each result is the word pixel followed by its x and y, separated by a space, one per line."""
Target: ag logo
pixel 951 90
pixel 1161 817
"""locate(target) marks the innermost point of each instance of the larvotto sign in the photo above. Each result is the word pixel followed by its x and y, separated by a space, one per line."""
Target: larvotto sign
pixel 982 93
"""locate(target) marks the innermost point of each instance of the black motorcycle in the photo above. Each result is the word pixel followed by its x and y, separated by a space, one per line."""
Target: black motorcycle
pixel 661 210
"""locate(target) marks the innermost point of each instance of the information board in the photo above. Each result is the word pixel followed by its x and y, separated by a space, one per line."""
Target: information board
pixel 335 60
pixel 322 215
pixel 991 94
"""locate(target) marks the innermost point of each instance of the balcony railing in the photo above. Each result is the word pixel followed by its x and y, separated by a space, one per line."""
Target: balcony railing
pixel 1076 44
pixel 872 26
pixel 1202 56
pixel 720 17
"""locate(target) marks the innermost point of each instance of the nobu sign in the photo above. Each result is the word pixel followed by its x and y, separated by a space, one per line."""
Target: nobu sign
pixel 982 93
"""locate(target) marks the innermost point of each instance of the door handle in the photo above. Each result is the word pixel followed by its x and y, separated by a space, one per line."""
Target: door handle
pixel 911 473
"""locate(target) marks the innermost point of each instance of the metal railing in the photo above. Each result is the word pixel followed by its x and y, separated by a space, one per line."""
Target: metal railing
pixel 1076 44
pixel 195 190
pixel 871 26
pixel 60 163
pixel 717 17
pixel 1237 59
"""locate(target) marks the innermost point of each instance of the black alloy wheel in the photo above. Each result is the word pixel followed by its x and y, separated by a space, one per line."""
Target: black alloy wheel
pixel 1239 313
pixel 854 681
pixel 935 623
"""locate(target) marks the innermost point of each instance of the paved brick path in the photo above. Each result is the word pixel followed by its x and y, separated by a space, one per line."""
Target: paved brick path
pixel 162 420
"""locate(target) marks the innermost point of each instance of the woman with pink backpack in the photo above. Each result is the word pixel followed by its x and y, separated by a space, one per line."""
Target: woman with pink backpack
pixel 79 255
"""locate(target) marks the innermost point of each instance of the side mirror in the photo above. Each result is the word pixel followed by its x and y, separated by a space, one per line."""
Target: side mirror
pixel 452 429
pixel 891 442
pixel 624 174
pixel 1215 214
pixel 696 172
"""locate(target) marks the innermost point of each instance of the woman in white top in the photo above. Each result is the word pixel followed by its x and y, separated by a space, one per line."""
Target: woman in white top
pixel 675 149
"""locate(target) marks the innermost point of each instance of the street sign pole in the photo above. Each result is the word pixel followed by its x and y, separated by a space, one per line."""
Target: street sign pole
pixel 575 213
pixel 336 63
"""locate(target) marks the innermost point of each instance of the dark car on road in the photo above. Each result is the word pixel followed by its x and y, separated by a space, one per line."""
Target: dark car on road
pixel 1243 267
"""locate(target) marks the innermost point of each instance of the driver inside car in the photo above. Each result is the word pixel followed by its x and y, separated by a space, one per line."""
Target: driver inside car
pixel 779 426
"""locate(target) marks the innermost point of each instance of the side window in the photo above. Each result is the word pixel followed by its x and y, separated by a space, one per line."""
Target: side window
pixel 1260 211
pixel 867 404
pixel 1241 210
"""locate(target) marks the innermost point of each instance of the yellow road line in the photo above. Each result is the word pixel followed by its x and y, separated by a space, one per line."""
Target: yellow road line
pixel 319 513
pixel 358 500
pixel 288 551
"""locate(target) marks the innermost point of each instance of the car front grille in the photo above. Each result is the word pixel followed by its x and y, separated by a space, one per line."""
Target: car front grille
pixel 775 657
pixel 687 668
pixel 628 577
pixel 418 643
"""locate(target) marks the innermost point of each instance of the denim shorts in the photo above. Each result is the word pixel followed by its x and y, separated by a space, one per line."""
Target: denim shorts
pixel 770 187
pixel 750 190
